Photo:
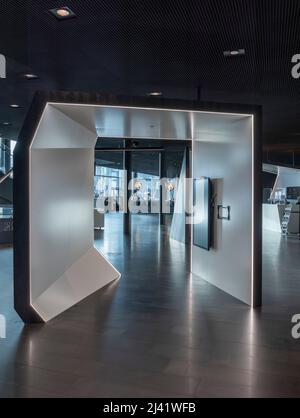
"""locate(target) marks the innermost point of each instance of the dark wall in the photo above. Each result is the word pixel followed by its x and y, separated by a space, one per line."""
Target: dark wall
pixel 268 180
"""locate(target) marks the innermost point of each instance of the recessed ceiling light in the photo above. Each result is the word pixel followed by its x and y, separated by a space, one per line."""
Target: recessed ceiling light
pixel 5 123
pixel 30 76
pixel 14 106
pixel 234 52
pixel 155 93
pixel 62 13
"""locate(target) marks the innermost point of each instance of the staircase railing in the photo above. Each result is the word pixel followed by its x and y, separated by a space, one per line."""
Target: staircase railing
pixel 5 176
pixel 6 162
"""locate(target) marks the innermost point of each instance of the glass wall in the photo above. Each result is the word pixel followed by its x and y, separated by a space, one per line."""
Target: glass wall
pixel 6 163
pixel 144 190
pixel 108 188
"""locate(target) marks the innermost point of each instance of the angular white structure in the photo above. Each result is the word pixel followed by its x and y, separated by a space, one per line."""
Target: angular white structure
pixel 223 151
pixel 64 265
pixel 55 262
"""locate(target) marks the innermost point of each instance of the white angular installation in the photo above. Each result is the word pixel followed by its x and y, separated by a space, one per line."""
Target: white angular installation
pixel 64 265
pixel 178 225
pixel 55 262
pixel 223 151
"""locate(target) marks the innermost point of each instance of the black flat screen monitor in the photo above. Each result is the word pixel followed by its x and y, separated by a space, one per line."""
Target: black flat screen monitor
pixel 202 213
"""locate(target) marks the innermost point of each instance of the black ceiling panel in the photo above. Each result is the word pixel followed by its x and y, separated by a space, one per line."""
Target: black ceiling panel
pixel 175 46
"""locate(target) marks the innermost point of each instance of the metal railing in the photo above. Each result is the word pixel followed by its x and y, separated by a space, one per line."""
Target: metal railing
pixel 6 157
pixel 6 171
pixel 6 162
pixel 5 176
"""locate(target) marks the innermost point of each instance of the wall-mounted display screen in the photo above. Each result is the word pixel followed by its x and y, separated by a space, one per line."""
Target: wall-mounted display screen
pixel 292 193
pixel 202 212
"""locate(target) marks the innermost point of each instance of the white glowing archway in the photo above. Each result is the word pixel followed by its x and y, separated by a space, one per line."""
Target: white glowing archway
pixel 56 264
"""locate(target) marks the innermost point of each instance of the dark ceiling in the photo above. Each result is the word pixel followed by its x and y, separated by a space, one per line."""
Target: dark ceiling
pixel 137 46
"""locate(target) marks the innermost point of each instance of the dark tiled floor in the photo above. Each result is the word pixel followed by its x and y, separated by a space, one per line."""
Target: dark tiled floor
pixel 158 332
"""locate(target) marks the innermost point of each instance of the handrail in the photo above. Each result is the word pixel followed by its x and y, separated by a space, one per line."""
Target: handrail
pixel 6 149
pixel 8 155
pixel 3 178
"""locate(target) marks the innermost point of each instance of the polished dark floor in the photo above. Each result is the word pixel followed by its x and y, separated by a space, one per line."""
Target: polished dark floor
pixel 158 332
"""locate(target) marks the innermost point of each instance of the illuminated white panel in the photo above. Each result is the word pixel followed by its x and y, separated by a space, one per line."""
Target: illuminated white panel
pixel 223 151
pixel 64 265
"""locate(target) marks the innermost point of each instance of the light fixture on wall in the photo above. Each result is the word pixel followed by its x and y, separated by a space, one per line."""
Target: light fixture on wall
pixel 171 187
pixel 138 185
pixel 14 106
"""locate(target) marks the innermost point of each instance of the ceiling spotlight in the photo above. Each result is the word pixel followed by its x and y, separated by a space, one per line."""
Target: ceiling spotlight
pixel 5 123
pixel 30 76
pixel 234 53
pixel 155 93
pixel 14 106
pixel 62 13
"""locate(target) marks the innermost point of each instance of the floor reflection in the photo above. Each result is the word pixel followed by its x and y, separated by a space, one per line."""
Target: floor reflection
pixel 158 331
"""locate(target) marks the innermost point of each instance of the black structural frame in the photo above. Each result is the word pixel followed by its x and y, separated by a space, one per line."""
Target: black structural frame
pixel 21 177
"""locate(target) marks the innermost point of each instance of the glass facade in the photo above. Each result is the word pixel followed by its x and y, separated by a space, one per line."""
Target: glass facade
pixel 145 188
pixel 6 163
